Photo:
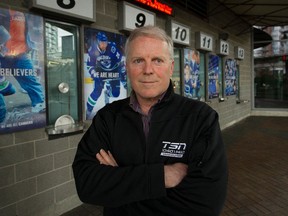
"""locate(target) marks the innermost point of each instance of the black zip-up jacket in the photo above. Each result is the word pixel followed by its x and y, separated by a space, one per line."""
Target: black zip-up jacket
pixel 181 130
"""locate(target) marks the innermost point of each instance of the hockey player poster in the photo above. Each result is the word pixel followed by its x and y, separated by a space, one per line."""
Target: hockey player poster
pixel 193 75
pixel 214 76
pixel 104 68
pixel 22 96
pixel 231 81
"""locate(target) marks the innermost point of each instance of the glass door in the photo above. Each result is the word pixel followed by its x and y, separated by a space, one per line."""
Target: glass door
pixel 63 73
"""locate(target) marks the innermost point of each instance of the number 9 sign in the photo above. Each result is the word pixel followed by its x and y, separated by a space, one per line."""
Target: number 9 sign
pixel 131 17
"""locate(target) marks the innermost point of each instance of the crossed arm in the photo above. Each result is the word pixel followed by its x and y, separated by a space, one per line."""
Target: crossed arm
pixel 173 173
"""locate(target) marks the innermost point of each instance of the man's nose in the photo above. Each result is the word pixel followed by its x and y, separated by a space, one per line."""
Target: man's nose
pixel 148 67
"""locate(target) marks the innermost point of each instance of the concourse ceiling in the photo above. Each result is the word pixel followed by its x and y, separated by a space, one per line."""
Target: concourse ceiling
pixel 248 15
pixel 255 13
pixel 259 12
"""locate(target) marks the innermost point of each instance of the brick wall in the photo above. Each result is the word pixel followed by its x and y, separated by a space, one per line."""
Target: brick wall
pixel 36 175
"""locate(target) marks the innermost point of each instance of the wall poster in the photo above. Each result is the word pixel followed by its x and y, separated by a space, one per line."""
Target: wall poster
pixel 231 82
pixel 22 96
pixel 104 67
pixel 214 76
pixel 193 75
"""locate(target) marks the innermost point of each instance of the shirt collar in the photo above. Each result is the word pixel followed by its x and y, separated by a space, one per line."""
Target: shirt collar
pixel 136 106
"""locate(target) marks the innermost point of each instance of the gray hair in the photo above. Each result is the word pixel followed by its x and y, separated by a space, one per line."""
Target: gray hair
pixel 153 32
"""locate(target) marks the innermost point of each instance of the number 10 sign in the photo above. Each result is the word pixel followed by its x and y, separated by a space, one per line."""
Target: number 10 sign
pixel 132 17
pixel 179 33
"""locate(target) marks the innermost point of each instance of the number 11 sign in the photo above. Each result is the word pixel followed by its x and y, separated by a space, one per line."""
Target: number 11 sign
pixel 132 17
pixel 204 41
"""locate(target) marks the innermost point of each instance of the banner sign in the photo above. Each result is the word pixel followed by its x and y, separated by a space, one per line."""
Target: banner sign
pixel 214 76
pixel 193 75
pixel 104 68
pixel 22 96
pixel 231 81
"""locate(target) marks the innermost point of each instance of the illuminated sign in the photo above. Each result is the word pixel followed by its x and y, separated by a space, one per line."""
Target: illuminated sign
pixel 164 8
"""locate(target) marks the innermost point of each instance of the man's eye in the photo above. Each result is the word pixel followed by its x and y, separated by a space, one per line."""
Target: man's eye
pixel 137 61
pixel 158 61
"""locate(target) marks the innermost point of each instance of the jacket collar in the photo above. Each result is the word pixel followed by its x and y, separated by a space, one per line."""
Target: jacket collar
pixel 166 97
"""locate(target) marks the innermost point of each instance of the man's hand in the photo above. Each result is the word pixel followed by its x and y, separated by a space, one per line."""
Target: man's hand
pixel 106 158
pixel 174 173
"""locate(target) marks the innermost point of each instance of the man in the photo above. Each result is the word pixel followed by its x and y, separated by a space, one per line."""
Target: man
pixel 104 57
pixel 195 73
pixel 156 152
pixel 188 83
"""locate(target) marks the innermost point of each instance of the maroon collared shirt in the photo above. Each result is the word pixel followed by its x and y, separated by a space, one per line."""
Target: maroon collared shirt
pixel 145 118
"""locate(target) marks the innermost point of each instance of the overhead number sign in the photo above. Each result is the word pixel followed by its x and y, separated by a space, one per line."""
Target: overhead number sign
pixel 239 52
pixel 179 33
pixel 223 48
pixel 132 17
pixel 204 41
pixel 79 9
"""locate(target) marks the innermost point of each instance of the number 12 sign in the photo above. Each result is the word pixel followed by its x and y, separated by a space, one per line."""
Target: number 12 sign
pixel 132 17
pixel 223 48
pixel 179 33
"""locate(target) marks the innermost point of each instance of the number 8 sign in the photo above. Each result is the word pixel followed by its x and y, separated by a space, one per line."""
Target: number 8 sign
pixel 131 17
pixel 82 10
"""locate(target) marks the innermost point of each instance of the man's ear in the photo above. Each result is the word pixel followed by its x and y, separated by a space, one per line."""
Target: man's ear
pixel 172 68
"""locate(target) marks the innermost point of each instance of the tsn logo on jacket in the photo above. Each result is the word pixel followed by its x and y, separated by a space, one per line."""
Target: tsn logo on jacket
pixel 173 149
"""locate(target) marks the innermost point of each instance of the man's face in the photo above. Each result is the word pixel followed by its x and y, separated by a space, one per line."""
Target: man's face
pixel 102 45
pixel 149 67
pixel 187 72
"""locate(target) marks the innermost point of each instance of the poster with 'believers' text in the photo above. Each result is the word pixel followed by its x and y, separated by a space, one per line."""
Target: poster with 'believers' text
pixel 22 96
